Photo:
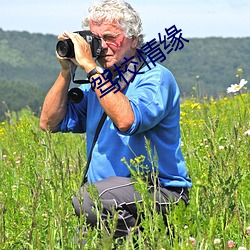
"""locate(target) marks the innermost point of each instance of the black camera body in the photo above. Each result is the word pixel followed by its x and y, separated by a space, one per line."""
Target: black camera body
pixel 65 48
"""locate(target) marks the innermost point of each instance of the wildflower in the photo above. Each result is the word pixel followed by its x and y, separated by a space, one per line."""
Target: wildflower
pixel 216 241
pixel 192 240
pixel 132 162
pixel 195 106
pixel 22 210
pixel 198 182
pixel 240 70
pixel 242 248
pixel 230 244
pixel 138 160
pixel 221 147
pixel 45 216
pixel 248 230
pixel 14 188
pixel 247 133
pixel 237 87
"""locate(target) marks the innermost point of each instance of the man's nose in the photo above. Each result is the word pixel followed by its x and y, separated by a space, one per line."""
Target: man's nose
pixel 104 44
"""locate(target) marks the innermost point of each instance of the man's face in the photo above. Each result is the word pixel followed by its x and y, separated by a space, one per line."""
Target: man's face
pixel 114 43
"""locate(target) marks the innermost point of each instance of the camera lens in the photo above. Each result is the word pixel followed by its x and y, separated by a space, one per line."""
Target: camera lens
pixel 75 95
pixel 65 48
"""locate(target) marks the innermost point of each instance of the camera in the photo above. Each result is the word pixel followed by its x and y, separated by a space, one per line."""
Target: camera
pixel 65 48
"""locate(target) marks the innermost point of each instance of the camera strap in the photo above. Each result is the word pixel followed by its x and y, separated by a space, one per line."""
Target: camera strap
pixel 97 132
pixel 72 74
pixel 127 78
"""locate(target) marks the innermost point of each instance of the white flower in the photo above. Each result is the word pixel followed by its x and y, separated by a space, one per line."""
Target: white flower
pixel 246 133
pixel 237 87
pixel 217 241
pixel 192 240
pixel 242 248
pixel 22 210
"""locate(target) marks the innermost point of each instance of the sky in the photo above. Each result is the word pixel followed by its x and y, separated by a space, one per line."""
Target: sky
pixel 196 18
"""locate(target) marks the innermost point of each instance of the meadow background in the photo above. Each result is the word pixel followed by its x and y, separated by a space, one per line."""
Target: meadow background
pixel 40 172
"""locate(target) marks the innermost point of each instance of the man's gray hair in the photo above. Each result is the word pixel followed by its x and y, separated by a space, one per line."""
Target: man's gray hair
pixel 117 12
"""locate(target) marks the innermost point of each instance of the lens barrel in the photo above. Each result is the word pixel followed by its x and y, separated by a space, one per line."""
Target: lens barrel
pixel 75 95
pixel 65 48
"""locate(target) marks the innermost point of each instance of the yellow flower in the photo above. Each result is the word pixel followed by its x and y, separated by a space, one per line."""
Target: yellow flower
pixel 240 70
pixel 138 160
pixel 132 162
pixel 195 105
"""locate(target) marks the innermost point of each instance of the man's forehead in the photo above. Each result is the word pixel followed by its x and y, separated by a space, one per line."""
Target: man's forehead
pixel 104 26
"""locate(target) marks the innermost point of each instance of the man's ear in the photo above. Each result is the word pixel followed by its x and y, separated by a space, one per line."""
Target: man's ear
pixel 134 42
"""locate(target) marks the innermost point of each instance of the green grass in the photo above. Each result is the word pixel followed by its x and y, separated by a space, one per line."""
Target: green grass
pixel 40 172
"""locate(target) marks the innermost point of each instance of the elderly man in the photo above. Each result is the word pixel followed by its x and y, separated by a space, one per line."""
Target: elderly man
pixel 144 107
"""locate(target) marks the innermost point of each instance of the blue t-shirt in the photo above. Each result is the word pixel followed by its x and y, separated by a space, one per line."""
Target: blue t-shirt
pixel 154 98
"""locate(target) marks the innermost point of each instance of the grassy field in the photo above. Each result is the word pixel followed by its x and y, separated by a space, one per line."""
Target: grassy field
pixel 40 172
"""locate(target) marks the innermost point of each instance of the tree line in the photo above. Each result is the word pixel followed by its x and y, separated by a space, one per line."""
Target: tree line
pixel 28 67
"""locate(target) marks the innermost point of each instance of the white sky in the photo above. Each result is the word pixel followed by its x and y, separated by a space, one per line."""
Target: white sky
pixel 196 18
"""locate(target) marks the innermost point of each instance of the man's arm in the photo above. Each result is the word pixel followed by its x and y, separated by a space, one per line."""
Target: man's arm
pixel 116 106
pixel 55 103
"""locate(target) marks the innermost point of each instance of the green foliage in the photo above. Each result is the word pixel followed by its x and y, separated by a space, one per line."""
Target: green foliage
pixel 14 95
pixel 36 184
pixel 40 172
pixel 28 58
pixel 28 68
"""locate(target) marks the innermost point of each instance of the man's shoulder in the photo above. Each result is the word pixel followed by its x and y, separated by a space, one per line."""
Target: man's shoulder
pixel 157 71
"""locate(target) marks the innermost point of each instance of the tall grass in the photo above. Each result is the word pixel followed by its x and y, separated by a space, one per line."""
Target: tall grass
pixel 40 172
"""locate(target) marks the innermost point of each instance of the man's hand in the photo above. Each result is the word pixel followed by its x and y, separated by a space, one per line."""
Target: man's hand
pixel 66 63
pixel 83 54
